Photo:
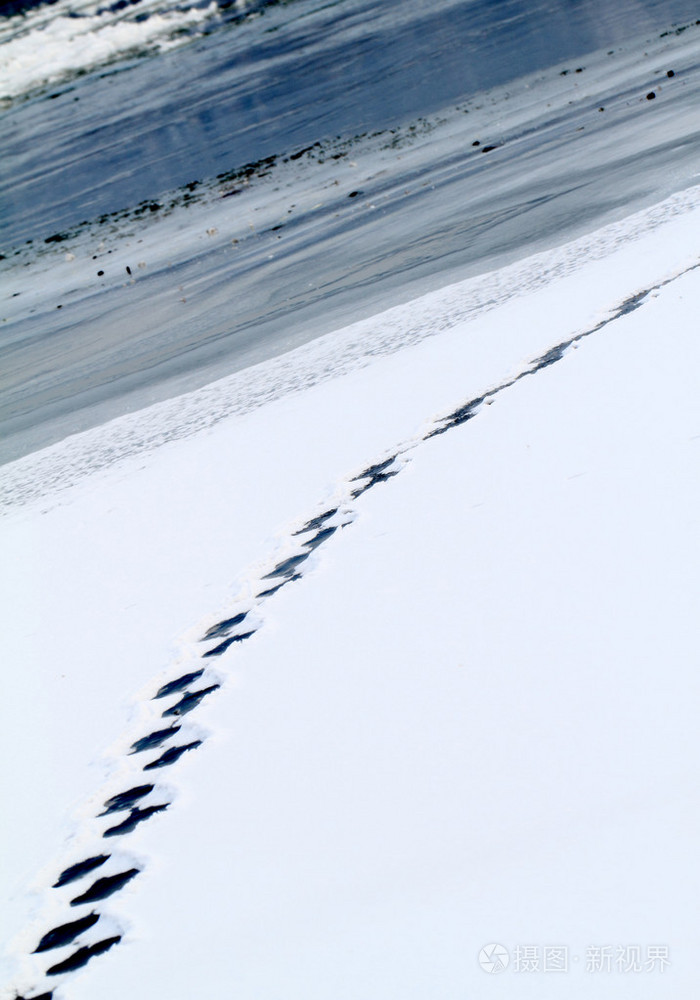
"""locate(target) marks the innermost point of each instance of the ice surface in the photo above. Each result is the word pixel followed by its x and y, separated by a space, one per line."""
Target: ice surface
pixel 154 270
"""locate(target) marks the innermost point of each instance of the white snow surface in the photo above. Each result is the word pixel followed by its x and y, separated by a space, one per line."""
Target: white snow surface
pixel 471 721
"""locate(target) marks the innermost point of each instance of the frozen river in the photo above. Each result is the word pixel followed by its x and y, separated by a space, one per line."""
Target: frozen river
pixel 193 211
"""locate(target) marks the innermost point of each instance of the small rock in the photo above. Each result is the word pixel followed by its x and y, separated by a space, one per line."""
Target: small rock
pixel 651 95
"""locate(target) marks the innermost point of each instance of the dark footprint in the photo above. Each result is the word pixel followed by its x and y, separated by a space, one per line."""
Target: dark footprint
pixel 190 701
pixel 82 956
pixel 221 628
pixel 125 800
pixel 153 740
pixel 171 755
pixel 75 872
pixel 375 470
pixel 177 685
pixel 320 538
pixel 288 566
pixel 104 887
pixel 628 306
pixel 379 477
pixel 66 933
pixel 223 646
pixel 135 817
pixel 374 474
pixel 457 417
pixel 550 358
pixel 273 590
pixel 316 522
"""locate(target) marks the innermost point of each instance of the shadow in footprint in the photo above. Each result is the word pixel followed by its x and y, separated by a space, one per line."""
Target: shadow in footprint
pixel 66 933
pixel 221 628
pixel 381 477
pixel 273 590
pixel 171 755
pixel 190 701
pixel 223 646
pixel 105 887
pixel 41 996
pixel 553 355
pixel 125 800
pixel 74 872
pixel 320 538
pixel 374 474
pixel 153 740
pixel 82 956
pixel 177 685
pixel 135 817
pixel 374 470
pixel 288 566
pixel 317 522
pixel 457 417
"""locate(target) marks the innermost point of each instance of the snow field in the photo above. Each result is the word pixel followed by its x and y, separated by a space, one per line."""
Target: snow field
pixel 470 721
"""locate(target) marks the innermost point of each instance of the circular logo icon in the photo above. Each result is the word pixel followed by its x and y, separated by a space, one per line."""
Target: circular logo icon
pixel 494 958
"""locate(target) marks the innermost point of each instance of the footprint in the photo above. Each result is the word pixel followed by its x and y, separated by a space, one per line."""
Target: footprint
pixel 287 566
pixel 135 817
pixel 375 470
pixel 75 872
pixel 225 626
pixel 553 355
pixel 153 740
pixel 105 887
pixel 171 755
pixel 374 474
pixel 320 538
pixel 125 800
pixel 82 956
pixel 177 685
pixel 273 590
pixel 317 522
pixel 190 701
pixel 457 417
pixel 223 646
pixel 66 933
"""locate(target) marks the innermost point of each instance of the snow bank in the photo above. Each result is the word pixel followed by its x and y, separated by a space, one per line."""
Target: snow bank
pixel 54 42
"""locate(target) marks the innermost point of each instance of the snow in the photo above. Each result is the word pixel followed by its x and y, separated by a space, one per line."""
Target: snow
pixel 470 721
pixel 52 43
